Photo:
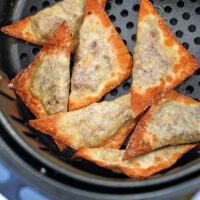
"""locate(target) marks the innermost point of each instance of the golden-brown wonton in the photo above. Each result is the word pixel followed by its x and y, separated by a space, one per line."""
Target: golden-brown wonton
pixel 102 60
pixel 174 120
pixel 44 84
pixel 160 61
pixel 40 27
pixel 100 124
pixel 140 167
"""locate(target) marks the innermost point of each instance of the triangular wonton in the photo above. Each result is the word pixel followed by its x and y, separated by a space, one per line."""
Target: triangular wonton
pixel 102 60
pixel 160 61
pixel 174 120
pixel 40 27
pixel 44 84
pixel 140 167
pixel 100 124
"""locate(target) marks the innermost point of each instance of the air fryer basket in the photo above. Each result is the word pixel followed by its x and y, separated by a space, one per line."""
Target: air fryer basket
pixel 38 152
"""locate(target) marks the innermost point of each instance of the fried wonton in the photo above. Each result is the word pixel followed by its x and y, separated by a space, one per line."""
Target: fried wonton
pixel 40 27
pixel 102 60
pixel 140 167
pixel 44 84
pixel 174 120
pixel 101 124
pixel 160 61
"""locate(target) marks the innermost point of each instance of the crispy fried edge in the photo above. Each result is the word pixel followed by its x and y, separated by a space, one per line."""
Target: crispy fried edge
pixel 60 145
pixel 186 67
pixel 124 58
pixel 21 82
pixel 136 173
pixel 140 145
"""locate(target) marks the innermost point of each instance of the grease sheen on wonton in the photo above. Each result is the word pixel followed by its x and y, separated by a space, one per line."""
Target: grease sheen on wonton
pixel 160 61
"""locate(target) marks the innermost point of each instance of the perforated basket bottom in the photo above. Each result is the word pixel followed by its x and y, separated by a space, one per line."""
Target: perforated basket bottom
pixel 182 18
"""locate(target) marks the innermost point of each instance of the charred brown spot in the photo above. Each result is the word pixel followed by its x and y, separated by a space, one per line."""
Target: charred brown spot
pixel 94 48
pixel 94 44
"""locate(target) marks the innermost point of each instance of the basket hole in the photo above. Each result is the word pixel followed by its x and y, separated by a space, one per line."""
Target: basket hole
pixel 30 135
pixel 45 4
pixel 136 7
pixel 57 0
pixel 197 72
pixel 192 28
pixel 112 18
pixel 193 0
pixel 23 57
pixel 33 9
pixel 125 42
pixel 197 40
pixel 180 4
pixel 102 99
pixel 167 9
pixel 179 33
pixel 44 149
pixel 118 30
pixel 35 51
pixel 118 2
pixel 186 15
pixel 173 21
pixel 186 45
pixel 21 121
pixel 114 92
pixel 126 86
pixel 197 10
pixel 130 53
pixel 189 89
pixel 124 13
pixel 133 37
pixel 107 7
pixel 152 1
pixel 129 25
